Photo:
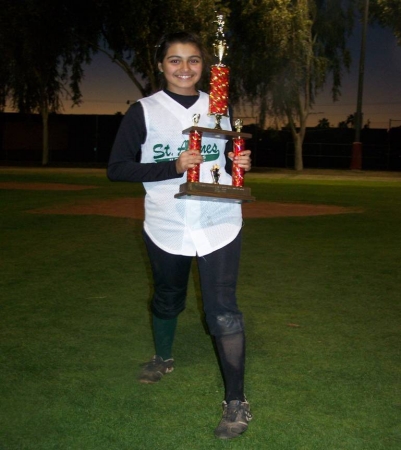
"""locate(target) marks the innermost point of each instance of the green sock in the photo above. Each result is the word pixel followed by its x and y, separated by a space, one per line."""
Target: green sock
pixel 163 333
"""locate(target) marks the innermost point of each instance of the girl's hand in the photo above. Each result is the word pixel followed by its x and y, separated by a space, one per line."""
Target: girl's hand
pixel 243 160
pixel 188 160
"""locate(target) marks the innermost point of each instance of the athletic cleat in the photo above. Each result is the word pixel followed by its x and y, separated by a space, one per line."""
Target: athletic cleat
pixel 236 416
pixel 154 370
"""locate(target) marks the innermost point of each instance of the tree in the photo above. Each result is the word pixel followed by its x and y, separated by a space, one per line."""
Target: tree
pixel 128 32
pixel 388 13
pixel 283 51
pixel 41 63
pixel 323 123
pixel 349 122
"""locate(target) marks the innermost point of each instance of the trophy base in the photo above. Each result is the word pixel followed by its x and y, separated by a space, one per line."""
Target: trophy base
pixel 214 192
pixel 217 133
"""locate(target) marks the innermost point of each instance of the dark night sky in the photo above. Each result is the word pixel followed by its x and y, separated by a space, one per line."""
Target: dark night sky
pixel 107 88
pixel 382 82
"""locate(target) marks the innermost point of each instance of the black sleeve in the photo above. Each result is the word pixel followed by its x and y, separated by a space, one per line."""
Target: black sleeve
pixel 229 146
pixel 229 163
pixel 124 160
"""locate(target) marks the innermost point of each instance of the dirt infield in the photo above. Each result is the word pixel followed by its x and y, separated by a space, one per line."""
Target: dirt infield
pixel 44 186
pixel 132 208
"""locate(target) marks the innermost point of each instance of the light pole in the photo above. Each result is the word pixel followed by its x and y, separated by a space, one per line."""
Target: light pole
pixel 356 160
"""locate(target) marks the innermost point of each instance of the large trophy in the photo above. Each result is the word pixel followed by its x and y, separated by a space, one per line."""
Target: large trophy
pixel 218 106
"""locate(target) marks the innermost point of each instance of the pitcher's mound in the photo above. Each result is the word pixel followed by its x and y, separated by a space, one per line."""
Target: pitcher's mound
pixel 132 208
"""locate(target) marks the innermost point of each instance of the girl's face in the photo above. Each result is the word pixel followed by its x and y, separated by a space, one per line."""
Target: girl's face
pixel 182 67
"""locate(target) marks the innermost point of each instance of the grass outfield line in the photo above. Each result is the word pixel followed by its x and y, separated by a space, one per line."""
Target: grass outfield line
pixel 320 296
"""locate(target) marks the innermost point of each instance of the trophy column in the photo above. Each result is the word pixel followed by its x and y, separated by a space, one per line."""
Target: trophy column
pixel 194 145
pixel 219 77
pixel 238 146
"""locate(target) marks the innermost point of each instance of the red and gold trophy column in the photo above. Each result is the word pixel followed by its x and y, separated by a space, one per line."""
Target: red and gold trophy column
pixel 238 146
pixel 218 98
pixel 219 77
pixel 194 145
pixel 219 82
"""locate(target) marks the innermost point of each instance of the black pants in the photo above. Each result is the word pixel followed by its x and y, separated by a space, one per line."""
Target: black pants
pixel 218 273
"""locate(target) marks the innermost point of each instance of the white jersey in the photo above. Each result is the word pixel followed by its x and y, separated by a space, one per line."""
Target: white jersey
pixel 185 226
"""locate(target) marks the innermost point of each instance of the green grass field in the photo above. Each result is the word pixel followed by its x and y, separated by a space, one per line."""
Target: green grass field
pixel 320 295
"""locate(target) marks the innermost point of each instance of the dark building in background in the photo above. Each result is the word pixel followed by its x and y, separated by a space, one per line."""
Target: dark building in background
pixel 73 138
pixel 87 140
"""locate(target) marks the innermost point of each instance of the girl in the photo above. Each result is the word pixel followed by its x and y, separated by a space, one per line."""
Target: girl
pixel 176 230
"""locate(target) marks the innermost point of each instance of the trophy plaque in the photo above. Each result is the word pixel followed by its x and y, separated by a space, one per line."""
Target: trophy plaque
pixel 218 106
